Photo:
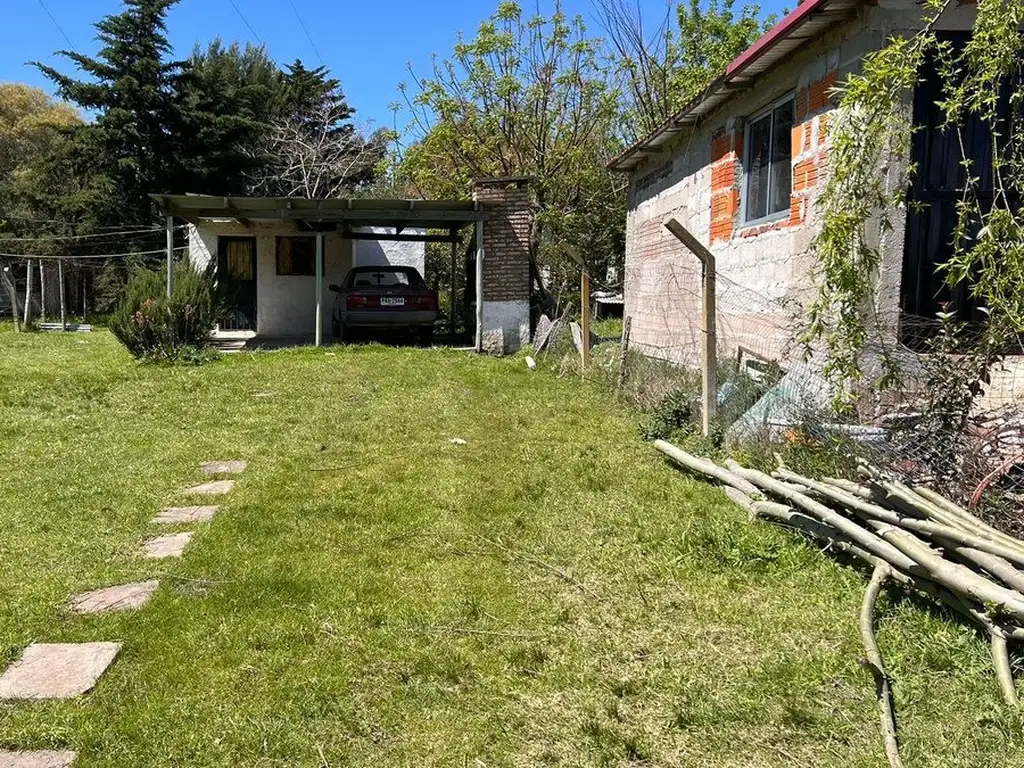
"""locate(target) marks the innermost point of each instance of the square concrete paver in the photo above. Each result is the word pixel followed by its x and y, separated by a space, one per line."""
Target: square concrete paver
pixel 232 467
pixel 57 670
pixel 213 488
pixel 125 597
pixel 167 546
pixel 173 515
pixel 44 758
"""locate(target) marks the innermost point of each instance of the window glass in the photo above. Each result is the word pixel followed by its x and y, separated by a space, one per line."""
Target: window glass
pixel 239 259
pixel 383 278
pixel 296 255
pixel 769 171
pixel 758 152
pixel 780 184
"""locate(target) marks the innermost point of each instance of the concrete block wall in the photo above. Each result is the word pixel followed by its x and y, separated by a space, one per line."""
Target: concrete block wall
pixel 506 264
pixel 766 276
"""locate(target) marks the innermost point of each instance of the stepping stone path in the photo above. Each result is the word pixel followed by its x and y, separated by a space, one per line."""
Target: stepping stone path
pixel 173 515
pixel 38 759
pixel 167 546
pixel 67 670
pixel 57 670
pixel 213 488
pixel 224 467
pixel 126 597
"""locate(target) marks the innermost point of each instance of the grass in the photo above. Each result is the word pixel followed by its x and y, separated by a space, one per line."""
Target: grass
pixel 550 593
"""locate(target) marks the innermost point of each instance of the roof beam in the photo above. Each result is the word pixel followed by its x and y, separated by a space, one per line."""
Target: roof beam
pixel 401 238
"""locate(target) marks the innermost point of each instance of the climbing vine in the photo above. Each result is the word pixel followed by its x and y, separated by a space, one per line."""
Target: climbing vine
pixel 867 187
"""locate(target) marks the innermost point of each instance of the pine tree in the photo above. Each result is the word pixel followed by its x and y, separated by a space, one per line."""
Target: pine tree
pixel 227 100
pixel 131 144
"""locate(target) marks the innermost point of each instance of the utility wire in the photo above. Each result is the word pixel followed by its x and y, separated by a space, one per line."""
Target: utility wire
pixel 304 29
pixel 57 25
pixel 88 256
pixel 110 235
pixel 245 21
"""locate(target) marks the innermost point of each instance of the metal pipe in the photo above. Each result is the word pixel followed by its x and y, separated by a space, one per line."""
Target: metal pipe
pixel 479 286
pixel 318 335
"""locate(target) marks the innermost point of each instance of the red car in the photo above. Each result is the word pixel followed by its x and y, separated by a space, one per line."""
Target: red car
pixel 385 298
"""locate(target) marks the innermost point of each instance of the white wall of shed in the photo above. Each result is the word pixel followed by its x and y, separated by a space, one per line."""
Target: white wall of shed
pixel 285 304
pixel 382 253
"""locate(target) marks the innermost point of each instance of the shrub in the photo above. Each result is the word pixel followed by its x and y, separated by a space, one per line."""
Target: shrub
pixel 156 327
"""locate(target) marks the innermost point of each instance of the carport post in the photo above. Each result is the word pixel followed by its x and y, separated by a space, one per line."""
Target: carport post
pixel 319 287
pixel 479 286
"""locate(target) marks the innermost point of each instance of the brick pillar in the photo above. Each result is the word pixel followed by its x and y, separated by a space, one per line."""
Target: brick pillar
pixel 726 151
pixel 506 278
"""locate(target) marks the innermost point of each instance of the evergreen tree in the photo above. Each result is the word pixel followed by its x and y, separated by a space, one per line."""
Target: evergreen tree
pixel 131 144
pixel 227 100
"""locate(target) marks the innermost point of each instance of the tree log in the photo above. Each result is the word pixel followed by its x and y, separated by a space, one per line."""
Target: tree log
pixel 873 661
pixel 706 467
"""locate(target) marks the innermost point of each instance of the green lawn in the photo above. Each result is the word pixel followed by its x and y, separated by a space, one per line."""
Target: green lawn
pixel 550 593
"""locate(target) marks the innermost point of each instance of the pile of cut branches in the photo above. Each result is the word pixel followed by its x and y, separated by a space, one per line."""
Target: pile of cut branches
pixel 910 535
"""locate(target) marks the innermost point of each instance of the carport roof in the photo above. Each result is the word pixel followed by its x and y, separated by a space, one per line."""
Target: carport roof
pixel 351 212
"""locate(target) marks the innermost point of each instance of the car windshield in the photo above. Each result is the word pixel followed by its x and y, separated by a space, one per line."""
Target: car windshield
pixel 386 278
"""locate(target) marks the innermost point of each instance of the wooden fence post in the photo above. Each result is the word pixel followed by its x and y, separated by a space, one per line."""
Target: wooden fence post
pixel 28 292
pixel 709 357
pixel 42 291
pixel 7 275
pixel 63 306
pixel 624 351
pixel 573 253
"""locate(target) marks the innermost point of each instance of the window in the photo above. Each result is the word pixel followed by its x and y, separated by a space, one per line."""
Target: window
pixel 768 162
pixel 383 277
pixel 296 255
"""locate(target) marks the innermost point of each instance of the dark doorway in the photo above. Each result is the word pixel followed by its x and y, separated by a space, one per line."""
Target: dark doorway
pixel 236 272
pixel 937 187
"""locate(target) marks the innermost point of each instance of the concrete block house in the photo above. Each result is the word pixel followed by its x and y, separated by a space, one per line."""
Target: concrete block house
pixel 741 167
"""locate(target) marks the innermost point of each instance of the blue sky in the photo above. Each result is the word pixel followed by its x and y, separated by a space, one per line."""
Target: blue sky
pixel 367 45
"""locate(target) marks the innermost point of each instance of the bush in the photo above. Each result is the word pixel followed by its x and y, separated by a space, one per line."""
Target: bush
pixel 156 327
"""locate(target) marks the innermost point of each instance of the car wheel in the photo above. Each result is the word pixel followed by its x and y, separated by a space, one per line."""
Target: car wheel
pixel 335 328
pixel 426 337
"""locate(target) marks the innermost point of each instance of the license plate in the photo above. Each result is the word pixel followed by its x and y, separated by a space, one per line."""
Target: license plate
pixel 390 301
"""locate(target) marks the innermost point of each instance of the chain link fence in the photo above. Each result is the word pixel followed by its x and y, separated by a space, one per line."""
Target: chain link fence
pixel 928 409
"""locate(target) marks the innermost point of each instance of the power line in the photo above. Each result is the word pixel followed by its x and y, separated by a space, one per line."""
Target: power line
pixel 110 235
pixel 88 256
pixel 304 29
pixel 56 24
pixel 245 21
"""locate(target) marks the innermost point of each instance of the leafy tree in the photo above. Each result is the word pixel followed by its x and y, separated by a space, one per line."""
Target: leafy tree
pixel 312 148
pixel 662 69
pixel 34 135
pixel 982 94
pixel 527 96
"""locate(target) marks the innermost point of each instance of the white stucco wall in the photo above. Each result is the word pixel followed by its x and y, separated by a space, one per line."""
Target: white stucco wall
pixel 506 325
pixel 285 304
pixel 372 253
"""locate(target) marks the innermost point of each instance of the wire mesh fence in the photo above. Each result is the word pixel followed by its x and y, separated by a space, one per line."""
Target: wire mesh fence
pixel 929 409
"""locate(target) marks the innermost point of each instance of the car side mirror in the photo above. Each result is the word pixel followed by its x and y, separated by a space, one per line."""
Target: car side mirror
pixel 333 289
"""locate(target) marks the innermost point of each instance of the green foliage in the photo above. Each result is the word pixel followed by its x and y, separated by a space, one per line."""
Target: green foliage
pixel 527 96
pixel 158 328
pixel 664 68
pixel 872 126
pixel 677 412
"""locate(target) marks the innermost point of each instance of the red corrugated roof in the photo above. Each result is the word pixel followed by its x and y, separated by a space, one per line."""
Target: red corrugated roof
pixel 809 20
